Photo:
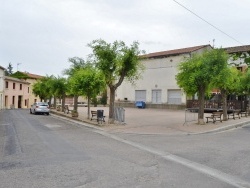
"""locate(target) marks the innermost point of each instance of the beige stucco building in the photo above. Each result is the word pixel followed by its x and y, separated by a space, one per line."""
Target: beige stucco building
pixel 16 93
pixel 158 84
pixel 32 79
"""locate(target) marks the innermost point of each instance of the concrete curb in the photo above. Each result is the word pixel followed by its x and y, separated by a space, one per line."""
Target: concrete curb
pixel 76 120
pixel 97 127
pixel 225 128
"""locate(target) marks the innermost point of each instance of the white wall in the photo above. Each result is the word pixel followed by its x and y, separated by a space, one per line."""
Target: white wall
pixel 159 74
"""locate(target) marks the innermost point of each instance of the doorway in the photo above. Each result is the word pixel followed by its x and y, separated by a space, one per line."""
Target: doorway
pixel 19 101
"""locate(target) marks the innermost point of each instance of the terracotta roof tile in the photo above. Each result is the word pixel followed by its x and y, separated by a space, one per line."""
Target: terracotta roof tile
pixel 245 48
pixel 174 52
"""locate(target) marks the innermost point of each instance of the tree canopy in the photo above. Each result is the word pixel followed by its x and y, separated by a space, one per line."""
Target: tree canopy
pixel 9 70
pixel 117 62
pixel 87 82
pixel 196 74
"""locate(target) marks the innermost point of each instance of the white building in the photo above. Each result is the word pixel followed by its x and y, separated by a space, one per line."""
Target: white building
pixel 158 86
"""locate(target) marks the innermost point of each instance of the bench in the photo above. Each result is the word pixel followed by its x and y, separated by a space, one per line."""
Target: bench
pixel 66 109
pixel 215 116
pixel 58 108
pixel 246 113
pixel 98 115
pixel 234 114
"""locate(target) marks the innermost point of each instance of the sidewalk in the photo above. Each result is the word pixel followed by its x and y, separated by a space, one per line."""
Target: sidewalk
pixel 158 121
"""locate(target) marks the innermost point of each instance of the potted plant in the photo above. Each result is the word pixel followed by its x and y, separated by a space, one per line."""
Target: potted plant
pixel 74 113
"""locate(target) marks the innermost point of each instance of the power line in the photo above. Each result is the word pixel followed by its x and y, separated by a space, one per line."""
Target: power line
pixel 208 22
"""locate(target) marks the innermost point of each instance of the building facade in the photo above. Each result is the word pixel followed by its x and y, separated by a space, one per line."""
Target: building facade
pixel 16 93
pixel 32 79
pixel 158 84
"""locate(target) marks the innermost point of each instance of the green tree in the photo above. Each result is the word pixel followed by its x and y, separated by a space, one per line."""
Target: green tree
pixel 196 73
pixel 43 88
pixel 38 90
pixel 76 64
pixel 88 82
pixel 59 87
pixel 227 81
pixel 245 84
pixel 9 70
pixel 117 62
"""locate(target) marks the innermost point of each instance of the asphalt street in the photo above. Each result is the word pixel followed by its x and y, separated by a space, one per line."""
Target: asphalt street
pixel 47 151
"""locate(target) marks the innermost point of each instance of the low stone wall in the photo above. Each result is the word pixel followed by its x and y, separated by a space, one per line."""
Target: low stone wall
pixel 156 106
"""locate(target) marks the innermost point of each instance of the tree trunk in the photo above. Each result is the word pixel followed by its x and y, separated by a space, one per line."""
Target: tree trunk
pixel 112 105
pixel 201 99
pixel 88 107
pixel 54 102
pixel 75 102
pixel 50 101
pixel 224 103
pixel 63 102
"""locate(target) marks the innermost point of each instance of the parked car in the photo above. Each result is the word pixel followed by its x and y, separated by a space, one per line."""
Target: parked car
pixel 40 108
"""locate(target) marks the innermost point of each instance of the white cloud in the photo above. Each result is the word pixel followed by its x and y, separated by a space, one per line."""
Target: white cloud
pixel 43 34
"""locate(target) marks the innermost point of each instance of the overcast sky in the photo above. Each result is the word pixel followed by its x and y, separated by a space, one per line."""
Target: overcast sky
pixel 40 35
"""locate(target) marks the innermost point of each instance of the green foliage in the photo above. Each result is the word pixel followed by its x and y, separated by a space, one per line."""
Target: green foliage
pixel 59 86
pixel 87 82
pixel 104 98
pixel 117 61
pixel 245 83
pixel 76 64
pixel 19 75
pixel 44 87
pixel 229 80
pixel 199 71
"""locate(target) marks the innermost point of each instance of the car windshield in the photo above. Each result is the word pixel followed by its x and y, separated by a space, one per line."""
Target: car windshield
pixel 42 104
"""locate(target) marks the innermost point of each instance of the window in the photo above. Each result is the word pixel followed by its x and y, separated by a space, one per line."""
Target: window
pixel 28 89
pixel 6 84
pixel 21 86
pixel 14 85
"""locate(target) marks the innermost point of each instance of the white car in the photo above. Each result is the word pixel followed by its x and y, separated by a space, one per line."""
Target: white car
pixel 40 108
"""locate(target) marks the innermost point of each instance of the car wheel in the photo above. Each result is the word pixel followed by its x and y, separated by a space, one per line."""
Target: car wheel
pixel 47 113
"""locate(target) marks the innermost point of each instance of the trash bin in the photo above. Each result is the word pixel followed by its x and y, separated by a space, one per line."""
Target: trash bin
pixel 100 116
pixel 140 104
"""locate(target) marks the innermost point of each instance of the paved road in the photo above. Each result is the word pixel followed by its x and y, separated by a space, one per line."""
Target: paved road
pixel 45 151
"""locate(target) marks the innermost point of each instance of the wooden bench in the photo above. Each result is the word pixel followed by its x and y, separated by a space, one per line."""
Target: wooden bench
pixel 99 118
pixel 234 114
pixel 246 113
pixel 66 109
pixel 214 116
